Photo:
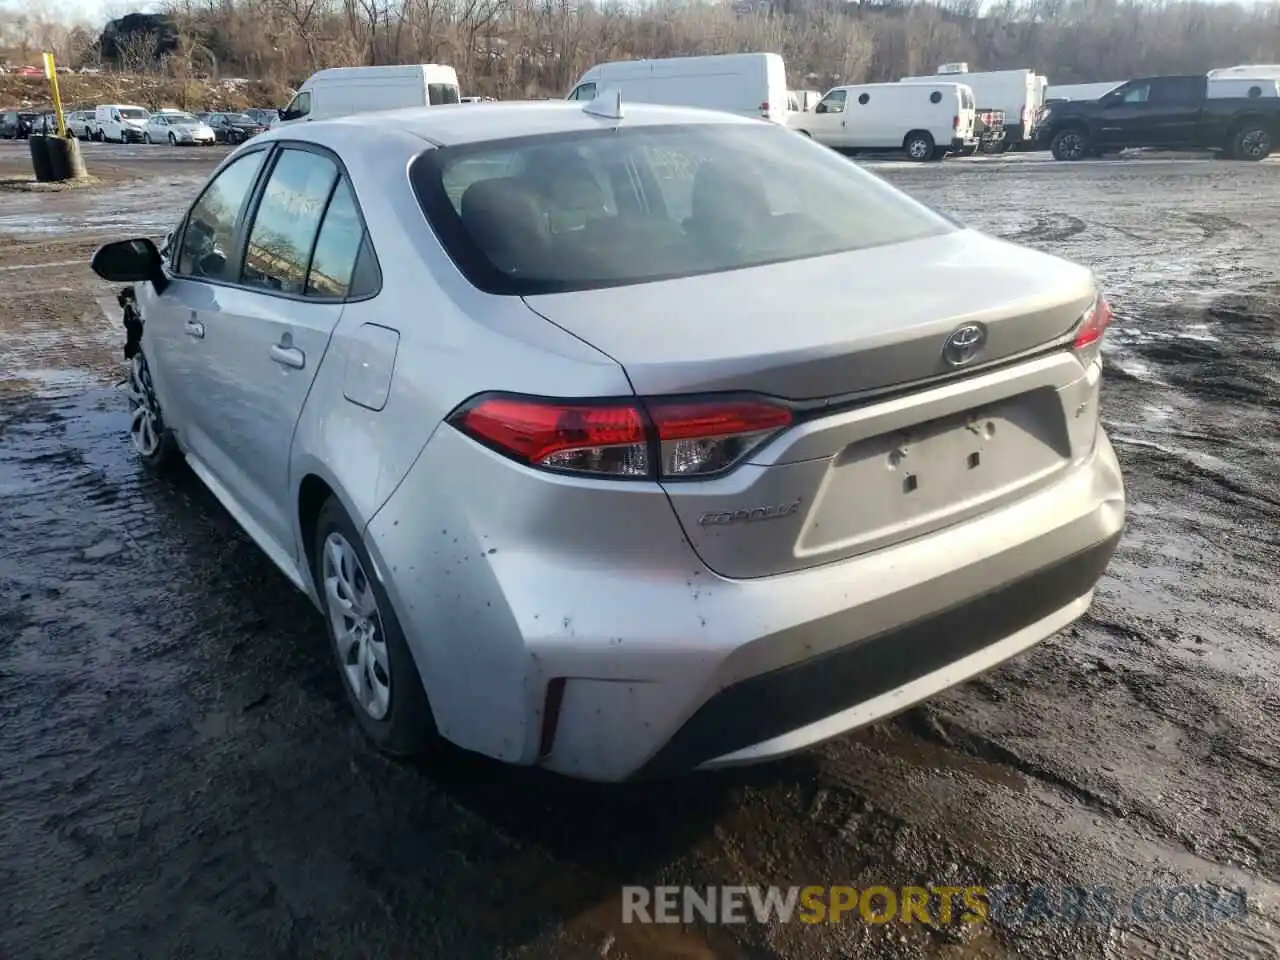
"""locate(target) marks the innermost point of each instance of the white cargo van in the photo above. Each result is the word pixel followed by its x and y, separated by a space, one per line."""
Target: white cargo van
pixel 927 121
pixel 1017 92
pixel 1247 71
pixel 748 84
pixel 120 122
pixel 1252 88
pixel 342 91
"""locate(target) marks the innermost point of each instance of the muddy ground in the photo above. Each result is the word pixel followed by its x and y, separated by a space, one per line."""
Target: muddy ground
pixel 179 775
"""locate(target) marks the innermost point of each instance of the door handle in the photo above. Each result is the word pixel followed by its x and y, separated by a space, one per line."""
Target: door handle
pixel 195 329
pixel 288 356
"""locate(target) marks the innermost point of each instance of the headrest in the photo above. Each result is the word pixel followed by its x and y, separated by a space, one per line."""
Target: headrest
pixel 506 221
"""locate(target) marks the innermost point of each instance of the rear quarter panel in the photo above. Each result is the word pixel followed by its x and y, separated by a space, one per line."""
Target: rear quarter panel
pixel 453 342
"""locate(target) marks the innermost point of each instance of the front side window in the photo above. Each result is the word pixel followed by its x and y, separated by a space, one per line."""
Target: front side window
pixel 1137 94
pixel 614 207
pixel 586 91
pixel 300 106
pixel 211 225
pixel 833 102
pixel 288 218
pixel 439 93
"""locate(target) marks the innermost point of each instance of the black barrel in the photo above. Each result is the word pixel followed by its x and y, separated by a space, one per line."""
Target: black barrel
pixel 65 159
pixel 43 169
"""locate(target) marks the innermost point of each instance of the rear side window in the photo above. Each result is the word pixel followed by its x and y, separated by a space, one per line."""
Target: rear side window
pixel 210 230
pixel 614 207
pixel 284 228
pixel 439 93
pixel 337 247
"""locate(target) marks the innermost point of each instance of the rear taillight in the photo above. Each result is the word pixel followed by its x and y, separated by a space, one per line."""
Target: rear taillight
pixel 626 439
pixel 955 122
pixel 1094 323
pixel 764 109
pixel 1022 114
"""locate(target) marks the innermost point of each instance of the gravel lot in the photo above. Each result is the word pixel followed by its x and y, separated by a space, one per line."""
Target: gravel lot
pixel 181 777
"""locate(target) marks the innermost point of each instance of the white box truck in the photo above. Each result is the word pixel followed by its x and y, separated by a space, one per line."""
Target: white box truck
pixel 342 91
pixel 748 84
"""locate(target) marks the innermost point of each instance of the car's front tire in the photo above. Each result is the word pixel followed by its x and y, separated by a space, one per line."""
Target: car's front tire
pixel 148 435
pixel 378 673
pixel 1070 145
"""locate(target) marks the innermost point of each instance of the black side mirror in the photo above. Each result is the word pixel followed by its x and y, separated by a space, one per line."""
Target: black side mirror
pixel 129 261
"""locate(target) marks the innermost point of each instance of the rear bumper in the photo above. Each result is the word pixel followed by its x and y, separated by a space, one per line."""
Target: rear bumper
pixel 558 623
pixel 777 713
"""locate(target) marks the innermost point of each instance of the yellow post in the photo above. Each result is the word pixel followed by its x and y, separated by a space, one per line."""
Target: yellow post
pixel 51 72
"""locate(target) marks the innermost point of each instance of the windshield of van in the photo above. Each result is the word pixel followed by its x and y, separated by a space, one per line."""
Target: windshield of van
pixel 605 208
pixel 133 113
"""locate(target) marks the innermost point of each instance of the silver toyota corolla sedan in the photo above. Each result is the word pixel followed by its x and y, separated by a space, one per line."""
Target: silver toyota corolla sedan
pixel 626 441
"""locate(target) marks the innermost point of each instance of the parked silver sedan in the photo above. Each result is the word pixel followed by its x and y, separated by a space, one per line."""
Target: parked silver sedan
pixel 626 445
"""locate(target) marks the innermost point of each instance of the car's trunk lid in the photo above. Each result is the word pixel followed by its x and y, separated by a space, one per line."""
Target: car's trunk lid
pixel 828 326
pixel 877 465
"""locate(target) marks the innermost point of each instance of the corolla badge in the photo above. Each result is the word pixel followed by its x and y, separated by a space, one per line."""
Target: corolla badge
pixel 964 344
pixel 751 515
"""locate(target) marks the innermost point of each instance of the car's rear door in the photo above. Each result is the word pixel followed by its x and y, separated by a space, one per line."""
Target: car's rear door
pixel 272 328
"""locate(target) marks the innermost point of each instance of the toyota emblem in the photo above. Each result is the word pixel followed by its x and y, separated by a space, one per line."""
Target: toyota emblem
pixel 964 344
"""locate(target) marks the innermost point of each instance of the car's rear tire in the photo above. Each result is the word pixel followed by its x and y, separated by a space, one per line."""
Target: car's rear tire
pixel 1070 145
pixel 918 146
pixel 1251 142
pixel 376 668
pixel 148 435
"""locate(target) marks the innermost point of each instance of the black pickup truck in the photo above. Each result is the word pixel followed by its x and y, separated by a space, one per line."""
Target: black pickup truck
pixel 1169 112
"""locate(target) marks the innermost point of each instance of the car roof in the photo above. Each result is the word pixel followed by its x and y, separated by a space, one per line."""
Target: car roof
pixel 450 124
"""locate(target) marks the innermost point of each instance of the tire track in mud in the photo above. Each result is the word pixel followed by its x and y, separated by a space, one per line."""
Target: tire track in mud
pixel 1048 229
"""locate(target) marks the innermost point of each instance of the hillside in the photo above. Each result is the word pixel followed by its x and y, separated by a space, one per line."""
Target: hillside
pixel 86 90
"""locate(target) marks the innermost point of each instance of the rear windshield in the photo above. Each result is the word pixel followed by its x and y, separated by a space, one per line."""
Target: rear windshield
pixel 439 93
pixel 613 207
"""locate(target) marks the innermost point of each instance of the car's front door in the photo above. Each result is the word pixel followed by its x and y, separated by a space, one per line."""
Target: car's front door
pixel 173 336
pixel 827 123
pixel 1127 117
pixel 271 330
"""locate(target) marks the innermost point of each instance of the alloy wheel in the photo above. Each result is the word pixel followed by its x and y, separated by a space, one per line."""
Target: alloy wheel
pixel 1072 146
pixel 145 425
pixel 1255 144
pixel 357 626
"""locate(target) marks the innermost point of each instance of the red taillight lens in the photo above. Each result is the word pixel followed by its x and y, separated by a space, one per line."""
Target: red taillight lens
pixel 692 439
pixel 1093 324
pixel 603 439
pixel 699 438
